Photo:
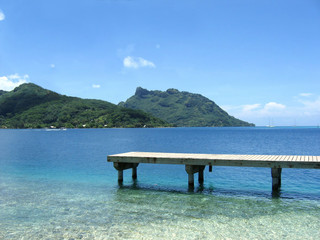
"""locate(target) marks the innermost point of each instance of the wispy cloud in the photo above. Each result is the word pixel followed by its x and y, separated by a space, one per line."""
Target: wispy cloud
pixel 251 107
pixel 311 106
pixel 52 65
pixel 305 94
pixel 256 111
pixel 306 112
pixel 96 86
pixel 257 108
pixel 137 62
pixel 2 16
pixel 8 83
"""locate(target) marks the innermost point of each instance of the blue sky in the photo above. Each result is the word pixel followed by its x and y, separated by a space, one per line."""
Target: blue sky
pixel 258 60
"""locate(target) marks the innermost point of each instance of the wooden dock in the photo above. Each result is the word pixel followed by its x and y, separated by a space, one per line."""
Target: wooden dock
pixel 196 163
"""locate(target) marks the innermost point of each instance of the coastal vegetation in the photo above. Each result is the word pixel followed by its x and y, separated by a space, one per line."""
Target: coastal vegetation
pixel 182 109
pixel 31 106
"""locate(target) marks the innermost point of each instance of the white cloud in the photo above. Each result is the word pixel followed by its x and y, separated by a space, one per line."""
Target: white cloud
pixel 257 111
pixel 312 106
pixel 305 113
pixel 2 16
pixel 305 94
pixel 250 107
pixel 8 83
pixel 274 106
pixel 52 65
pixel 14 76
pixel 137 62
pixel 95 85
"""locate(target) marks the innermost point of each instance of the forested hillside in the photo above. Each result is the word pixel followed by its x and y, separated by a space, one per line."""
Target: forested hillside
pixel 183 109
pixel 30 106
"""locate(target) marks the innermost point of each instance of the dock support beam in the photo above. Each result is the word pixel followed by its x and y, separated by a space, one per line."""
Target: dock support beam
pixel 276 178
pixel 192 169
pixel 123 166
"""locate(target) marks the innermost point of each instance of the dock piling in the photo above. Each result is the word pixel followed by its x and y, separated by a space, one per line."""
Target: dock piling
pixel 276 178
pixel 191 170
pixel 123 166
pixel 120 176
pixel 190 180
pixel 200 174
pixel 134 173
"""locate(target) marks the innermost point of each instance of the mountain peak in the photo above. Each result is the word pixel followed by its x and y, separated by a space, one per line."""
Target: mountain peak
pixel 27 86
pixel 173 91
pixel 141 92
pixel 182 109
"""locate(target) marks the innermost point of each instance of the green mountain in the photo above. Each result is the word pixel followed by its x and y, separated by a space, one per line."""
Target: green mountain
pixel 183 109
pixel 30 106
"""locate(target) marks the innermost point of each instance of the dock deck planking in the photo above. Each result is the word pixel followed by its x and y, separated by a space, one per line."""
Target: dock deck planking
pixel 283 161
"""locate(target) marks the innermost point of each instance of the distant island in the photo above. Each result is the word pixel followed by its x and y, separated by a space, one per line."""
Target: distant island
pixel 182 109
pixel 31 106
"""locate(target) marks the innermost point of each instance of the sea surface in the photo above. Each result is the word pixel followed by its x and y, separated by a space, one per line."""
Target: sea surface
pixel 59 185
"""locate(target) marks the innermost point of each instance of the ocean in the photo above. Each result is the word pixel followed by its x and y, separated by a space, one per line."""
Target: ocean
pixel 58 185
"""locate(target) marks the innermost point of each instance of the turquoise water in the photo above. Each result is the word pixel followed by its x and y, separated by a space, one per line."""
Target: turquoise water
pixel 58 185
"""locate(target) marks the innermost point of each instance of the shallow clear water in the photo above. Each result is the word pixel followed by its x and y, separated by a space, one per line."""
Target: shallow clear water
pixel 58 185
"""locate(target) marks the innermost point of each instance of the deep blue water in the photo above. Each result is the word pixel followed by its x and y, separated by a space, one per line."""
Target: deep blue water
pixel 58 184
